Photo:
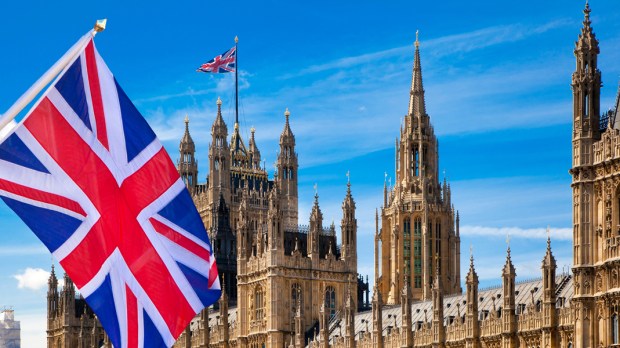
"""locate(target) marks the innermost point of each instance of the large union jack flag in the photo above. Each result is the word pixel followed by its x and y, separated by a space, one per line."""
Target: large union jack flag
pixel 87 174
pixel 225 62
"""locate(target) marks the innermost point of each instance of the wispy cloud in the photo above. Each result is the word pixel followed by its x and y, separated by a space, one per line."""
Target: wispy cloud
pixel 491 36
pixel 32 278
pixel 446 45
pixel 517 232
pixel 22 250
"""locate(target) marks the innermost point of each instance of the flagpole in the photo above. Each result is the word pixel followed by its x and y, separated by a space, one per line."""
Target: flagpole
pixel 50 74
pixel 236 82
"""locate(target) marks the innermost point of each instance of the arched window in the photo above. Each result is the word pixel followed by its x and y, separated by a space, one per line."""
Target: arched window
pixel 330 301
pixel 259 303
pixel 614 328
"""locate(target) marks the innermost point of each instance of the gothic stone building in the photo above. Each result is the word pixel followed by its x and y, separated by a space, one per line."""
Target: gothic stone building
pixel 266 260
pixel 295 288
pixel 418 228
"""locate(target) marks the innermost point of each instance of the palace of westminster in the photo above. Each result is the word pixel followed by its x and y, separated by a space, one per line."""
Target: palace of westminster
pixel 291 285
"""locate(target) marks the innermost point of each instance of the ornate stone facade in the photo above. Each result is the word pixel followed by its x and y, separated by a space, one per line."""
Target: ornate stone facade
pixel 70 322
pixel 292 286
pixel 419 235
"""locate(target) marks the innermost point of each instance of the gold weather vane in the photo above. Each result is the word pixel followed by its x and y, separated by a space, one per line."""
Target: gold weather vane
pixel 417 41
pixel 316 189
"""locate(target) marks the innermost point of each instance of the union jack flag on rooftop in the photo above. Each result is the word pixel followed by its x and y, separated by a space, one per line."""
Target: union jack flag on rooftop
pixel 224 63
pixel 87 174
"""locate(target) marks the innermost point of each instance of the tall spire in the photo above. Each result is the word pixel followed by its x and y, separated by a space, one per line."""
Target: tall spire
pixel 587 38
pixel 417 105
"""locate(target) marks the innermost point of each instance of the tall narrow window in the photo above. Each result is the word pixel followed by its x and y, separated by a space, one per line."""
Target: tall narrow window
pixel 614 328
pixel 417 253
pixel 259 303
pixel 586 105
pixel 407 249
pixel 417 162
pixel 330 301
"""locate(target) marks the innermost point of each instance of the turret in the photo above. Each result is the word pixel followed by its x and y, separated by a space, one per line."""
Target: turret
pixel 287 174
pixel 253 151
pixel 316 227
pixel 405 310
pixel 586 84
pixel 377 316
pixel 509 318
pixel 68 297
pixel 472 325
pixel 187 165
pixel 439 334
pixel 324 326
pixel 206 331
pixel 219 159
pixel 548 301
pixel 348 227
pixel 224 315
pixel 52 295
pixel 349 319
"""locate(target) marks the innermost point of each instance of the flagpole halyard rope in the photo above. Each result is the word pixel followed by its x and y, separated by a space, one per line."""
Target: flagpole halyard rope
pixel 50 74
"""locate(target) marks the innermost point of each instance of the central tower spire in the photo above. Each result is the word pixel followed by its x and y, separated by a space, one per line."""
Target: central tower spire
pixel 417 106
pixel 418 222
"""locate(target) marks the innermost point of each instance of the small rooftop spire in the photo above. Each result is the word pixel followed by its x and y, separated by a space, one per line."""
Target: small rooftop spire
pixel 287 133
pixel 417 38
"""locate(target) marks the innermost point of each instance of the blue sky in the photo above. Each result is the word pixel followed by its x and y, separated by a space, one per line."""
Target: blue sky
pixel 497 80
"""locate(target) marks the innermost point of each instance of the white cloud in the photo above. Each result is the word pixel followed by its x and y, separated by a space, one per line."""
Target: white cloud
pixel 517 232
pixel 32 278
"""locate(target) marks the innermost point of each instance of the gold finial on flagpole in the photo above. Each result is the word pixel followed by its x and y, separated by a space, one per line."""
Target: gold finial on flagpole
pixel 100 25
pixel 236 40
